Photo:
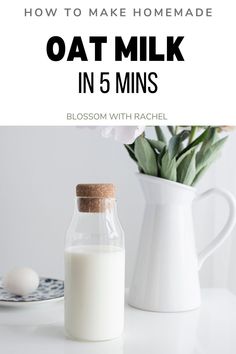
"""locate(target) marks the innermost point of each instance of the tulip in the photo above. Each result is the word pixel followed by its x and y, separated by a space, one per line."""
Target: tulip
pixel 125 135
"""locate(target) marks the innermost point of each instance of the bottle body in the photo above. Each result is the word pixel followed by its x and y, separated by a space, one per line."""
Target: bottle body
pixel 94 273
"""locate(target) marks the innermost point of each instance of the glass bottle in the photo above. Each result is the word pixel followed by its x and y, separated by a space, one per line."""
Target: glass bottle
pixel 94 266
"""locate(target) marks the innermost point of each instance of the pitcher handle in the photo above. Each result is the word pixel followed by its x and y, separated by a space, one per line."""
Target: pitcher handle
pixel 226 230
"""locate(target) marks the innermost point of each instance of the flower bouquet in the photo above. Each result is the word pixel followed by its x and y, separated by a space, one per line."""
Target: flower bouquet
pixel 183 158
pixel 178 153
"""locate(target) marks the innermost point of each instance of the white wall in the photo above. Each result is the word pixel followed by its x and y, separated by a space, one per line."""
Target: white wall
pixel 39 169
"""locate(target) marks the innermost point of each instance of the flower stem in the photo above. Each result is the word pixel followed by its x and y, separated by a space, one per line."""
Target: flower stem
pixel 192 133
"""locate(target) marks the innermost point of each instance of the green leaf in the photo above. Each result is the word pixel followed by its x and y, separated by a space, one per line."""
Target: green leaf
pixel 171 129
pixel 210 139
pixel 156 144
pixel 186 171
pixel 145 156
pixel 197 141
pixel 206 156
pixel 162 153
pixel 160 134
pixel 175 143
pixel 160 156
pixel 180 159
pixel 131 152
pixel 168 167
pixel 199 175
pixel 193 131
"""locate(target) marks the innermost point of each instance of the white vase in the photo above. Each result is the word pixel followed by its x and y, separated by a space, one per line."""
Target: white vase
pixel 166 273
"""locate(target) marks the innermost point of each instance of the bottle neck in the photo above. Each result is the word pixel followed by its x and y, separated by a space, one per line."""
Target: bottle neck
pixel 96 215
pixel 95 223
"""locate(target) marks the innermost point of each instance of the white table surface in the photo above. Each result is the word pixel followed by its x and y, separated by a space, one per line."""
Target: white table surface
pixel 209 330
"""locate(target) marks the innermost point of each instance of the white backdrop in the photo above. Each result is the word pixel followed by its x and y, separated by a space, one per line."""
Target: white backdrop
pixel 39 169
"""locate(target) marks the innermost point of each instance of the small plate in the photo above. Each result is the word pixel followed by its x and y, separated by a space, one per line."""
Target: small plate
pixel 49 290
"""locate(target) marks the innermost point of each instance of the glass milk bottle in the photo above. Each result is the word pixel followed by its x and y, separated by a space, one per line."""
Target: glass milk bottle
pixel 94 266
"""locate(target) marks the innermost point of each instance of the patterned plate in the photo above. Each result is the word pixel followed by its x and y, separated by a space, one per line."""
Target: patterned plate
pixel 48 290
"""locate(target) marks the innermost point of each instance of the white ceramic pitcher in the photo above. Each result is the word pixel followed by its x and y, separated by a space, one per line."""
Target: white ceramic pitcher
pixel 166 273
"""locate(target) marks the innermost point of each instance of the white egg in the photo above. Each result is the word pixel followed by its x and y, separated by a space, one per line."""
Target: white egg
pixel 21 281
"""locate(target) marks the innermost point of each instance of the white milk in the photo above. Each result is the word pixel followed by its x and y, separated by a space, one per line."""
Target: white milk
pixel 94 292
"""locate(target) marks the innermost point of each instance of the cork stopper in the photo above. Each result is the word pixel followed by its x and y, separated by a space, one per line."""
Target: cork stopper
pixel 104 190
pixel 95 198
